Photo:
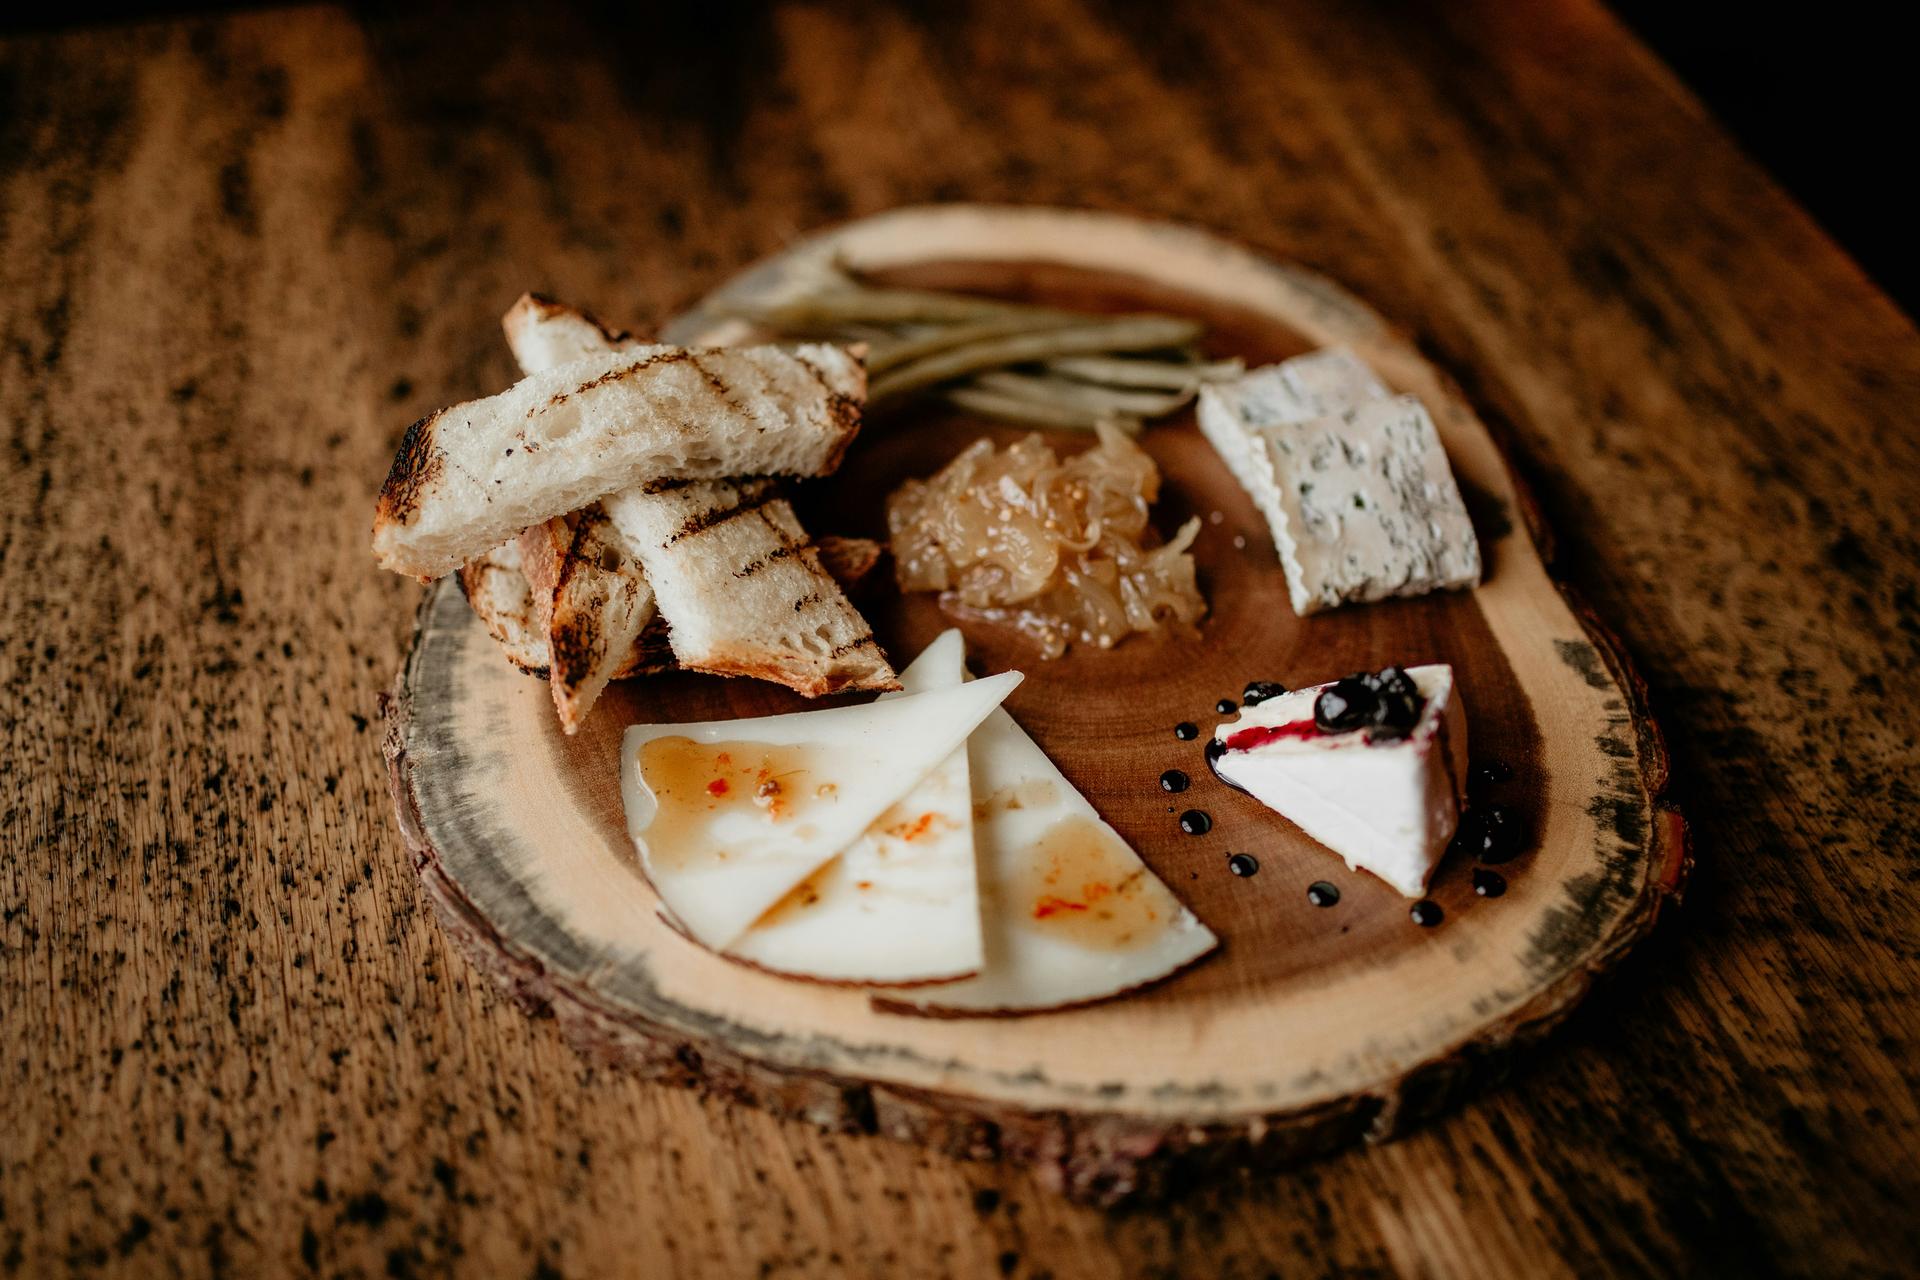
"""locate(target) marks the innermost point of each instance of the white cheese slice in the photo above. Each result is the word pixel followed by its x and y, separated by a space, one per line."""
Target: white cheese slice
pixel 1236 416
pixel 1070 911
pixel 901 904
pixel 729 816
pixel 1387 806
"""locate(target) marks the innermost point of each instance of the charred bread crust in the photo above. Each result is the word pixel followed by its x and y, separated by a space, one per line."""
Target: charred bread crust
pixel 416 466
pixel 535 307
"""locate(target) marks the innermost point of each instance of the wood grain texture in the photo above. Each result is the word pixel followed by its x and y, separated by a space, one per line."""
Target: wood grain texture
pixel 1309 1029
pixel 239 255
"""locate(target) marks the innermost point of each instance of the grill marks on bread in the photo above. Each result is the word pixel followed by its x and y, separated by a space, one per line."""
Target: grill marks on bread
pixel 470 477
pixel 747 591
pixel 744 592
pixel 728 501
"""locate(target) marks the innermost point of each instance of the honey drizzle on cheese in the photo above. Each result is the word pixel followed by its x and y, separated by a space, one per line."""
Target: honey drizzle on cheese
pixel 1081 884
pixel 696 784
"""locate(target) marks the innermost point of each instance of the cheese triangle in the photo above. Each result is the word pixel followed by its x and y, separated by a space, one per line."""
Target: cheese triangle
pixel 901 904
pixel 1387 806
pixel 729 816
pixel 1070 912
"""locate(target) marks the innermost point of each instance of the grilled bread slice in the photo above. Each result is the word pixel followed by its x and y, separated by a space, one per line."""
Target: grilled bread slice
pixel 742 589
pixel 590 601
pixel 497 588
pixel 468 477
pixel 712 627
pixel 499 592
pixel 591 598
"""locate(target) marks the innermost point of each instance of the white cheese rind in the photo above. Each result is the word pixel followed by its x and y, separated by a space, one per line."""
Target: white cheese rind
pixel 1388 807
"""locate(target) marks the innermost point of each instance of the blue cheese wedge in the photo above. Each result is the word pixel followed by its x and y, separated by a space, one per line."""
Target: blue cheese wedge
pixel 1236 417
pixel 900 905
pixel 1353 481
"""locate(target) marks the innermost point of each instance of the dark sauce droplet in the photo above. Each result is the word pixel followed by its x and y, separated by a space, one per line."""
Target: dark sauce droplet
pixel 1427 913
pixel 1488 884
pixel 1226 706
pixel 1259 691
pixel 1321 893
pixel 1491 833
pixel 1216 749
pixel 1173 780
pixel 1243 864
pixel 1195 822
pixel 1489 773
pixel 1186 731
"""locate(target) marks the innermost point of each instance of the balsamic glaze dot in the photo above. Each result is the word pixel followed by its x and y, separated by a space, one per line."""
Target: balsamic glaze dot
pixel 1195 822
pixel 1216 749
pixel 1491 833
pixel 1243 864
pixel 1488 884
pixel 1226 706
pixel 1322 893
pixel 1186 731
pixel 1489 773
pixel 1427 913
pixel 1259 691
pixel 1173 780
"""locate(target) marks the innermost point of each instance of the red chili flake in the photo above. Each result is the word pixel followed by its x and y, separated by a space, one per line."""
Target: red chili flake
pixel 718 787
pixel 1051 906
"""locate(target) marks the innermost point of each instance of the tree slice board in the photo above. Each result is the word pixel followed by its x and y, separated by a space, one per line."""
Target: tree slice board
pixel 1310 1027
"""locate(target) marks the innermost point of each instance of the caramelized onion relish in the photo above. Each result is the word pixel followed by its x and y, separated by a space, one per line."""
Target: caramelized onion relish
pixel 1059 549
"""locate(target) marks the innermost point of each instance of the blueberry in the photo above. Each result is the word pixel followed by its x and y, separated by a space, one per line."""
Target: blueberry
pixel 1345 705
pixel 1260 691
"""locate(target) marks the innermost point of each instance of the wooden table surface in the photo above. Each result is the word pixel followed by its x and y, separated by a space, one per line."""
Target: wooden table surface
pixel 239 255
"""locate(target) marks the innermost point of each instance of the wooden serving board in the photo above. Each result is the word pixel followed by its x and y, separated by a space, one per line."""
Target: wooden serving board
pixel 1310 1027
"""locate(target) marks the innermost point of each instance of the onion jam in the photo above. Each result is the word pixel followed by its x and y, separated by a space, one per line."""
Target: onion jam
pixel 1061 550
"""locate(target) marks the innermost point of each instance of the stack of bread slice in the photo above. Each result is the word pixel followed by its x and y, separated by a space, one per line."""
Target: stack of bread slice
pixel 618 511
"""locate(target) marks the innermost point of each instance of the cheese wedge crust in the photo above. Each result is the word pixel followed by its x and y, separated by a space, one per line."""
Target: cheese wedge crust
pixel 731 816
pixel 468 477
pixel 1386 806
pixel 1070 912
pixel 900 905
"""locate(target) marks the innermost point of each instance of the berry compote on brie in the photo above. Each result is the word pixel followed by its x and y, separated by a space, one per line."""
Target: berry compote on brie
pixel 1373 766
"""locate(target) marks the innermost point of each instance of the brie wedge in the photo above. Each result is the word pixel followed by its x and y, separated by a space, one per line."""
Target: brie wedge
pixel 901 904
pixel 730 816
pixel 1071 913
pixel 1353 482
pixel 1386 805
